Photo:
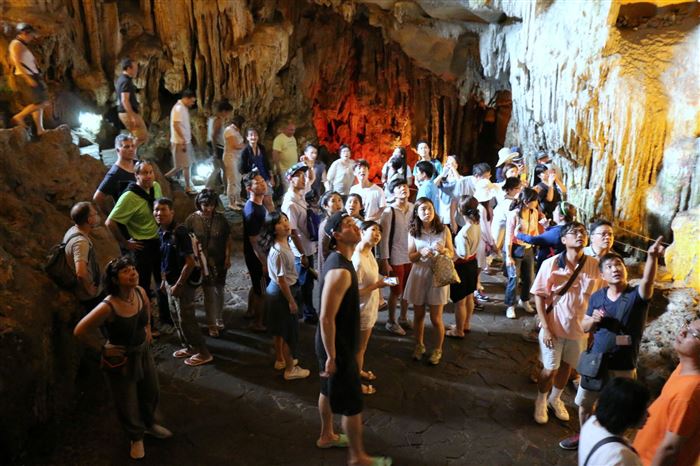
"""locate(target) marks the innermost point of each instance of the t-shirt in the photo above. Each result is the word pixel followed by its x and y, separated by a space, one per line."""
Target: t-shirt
pixel 116 181
pixel 373 200
pixel 294 207
pixel 676 410
pixel 341 176
pixel 180 113
pixel 610 454
pixel 287 147
pixel 447 200
pixel 280 264
pixel 565 319
pixel 467 240
pixel 635 316
pixel 175 246
pixel 126 84
pixel 133 211
pixel 231 132
pixel 428 189
pixel 437 172
pixel 397 251
pixel 77 250
pixel 27 61
pixel 253 221
pixel 367 274
pixel 320 177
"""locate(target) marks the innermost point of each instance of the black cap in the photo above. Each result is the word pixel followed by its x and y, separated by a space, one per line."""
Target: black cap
pixel 299 166
pixel 334 222
pixel 25 27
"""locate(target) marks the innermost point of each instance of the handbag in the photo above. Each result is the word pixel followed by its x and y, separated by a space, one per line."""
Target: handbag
pixel 444 272
pixel 593 370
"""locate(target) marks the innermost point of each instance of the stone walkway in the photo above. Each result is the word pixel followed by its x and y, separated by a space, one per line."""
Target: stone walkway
pixel 475 408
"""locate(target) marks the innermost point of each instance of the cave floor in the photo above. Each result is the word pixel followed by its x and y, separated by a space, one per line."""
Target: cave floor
pixel 475 408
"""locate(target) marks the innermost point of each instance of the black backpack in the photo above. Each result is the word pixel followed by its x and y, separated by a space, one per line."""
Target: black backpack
pixel 57 266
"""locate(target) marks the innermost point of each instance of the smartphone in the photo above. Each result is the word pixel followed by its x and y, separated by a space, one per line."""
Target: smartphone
pixel 391 281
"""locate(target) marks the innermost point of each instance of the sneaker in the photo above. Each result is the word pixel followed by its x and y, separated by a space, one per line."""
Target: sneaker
pixel 418 352
pixel 435 357
pixel 406 323
pixel 394 327
pixel 279 365
pixel 570 443
pixel 526 306
pixel 296 372
pixel 541 416
pixel 158 431
pixel 510 312
pixel 481 297
pixel 137 451
pixel 559 409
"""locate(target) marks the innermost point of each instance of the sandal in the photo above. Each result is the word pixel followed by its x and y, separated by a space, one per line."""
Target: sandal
pixel 197 360
pixel 214 331
pixel 452 333
pixel 183 353
pixel 368 389
pixel 341 442
pixel 378 461
pixel 368 375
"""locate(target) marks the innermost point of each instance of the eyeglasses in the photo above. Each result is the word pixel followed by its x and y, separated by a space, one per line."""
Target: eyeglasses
pixel 607 234
pixel 686 326
pixel 577 232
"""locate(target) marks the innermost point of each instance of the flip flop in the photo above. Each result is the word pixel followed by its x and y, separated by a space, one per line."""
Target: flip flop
pixel 182 353
pixel 452 333
pixel 368 390
pixel 368 375
pixel 195 361
pixel 341 442
pixel 379 461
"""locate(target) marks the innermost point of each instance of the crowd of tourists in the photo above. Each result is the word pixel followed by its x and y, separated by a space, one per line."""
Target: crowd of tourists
pixel 418 240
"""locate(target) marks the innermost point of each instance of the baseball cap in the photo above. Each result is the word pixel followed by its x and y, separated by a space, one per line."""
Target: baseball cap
pixel 334 222
pixel 299 166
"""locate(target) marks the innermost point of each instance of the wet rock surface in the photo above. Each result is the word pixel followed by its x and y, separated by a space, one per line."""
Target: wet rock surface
pixel 474 408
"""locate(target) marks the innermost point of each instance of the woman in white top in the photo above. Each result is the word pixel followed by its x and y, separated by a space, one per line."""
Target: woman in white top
pixel 341 174
pixel 511 188
pixel 427 238
pixel 282 294
pixel 369 283
pixel 355 208
pixel 466 243
pixel 233 147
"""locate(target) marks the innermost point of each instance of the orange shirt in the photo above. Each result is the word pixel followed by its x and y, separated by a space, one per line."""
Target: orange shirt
pixel 676 410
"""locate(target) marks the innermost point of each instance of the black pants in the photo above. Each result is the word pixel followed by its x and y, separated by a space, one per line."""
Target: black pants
pixel 148 266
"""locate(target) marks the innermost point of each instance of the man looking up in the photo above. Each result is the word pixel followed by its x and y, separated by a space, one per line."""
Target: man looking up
pixel 616 316
pixel 255 258
pixel 119 175
pixel 424 154
pixel 337 343
pixel 671 435
pixel 371 194
pixel 181 138
pixel 602 239
pixel 29 84
pixel 562 338
pixel 128 104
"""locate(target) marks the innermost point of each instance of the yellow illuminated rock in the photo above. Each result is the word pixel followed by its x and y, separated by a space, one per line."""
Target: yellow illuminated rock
pixel 683 256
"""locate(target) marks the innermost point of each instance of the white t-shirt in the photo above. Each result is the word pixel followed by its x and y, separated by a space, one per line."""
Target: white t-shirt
pixel 341 176
pixel 231 132
pixel 22 57
pixel 280 264
pixel 367 274
pixel 181 114
pixel 610 454
pixel 294 207
pixel 373 200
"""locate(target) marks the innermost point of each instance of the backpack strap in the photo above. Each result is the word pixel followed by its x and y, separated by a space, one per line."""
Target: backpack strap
pixel 571 279
pixel 605 441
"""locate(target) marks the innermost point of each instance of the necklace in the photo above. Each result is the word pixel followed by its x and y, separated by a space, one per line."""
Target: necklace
pixel 130 299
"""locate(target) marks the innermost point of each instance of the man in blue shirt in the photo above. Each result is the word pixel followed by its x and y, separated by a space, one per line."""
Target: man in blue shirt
pixel 616 315
pixel 426 188
pixel 254 213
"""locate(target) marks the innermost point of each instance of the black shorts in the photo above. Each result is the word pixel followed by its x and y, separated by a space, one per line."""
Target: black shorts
pixel 344 388
pixel 468 274
pixel 255 270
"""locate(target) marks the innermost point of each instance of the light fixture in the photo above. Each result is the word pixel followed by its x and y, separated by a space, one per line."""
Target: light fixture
pixel 90 122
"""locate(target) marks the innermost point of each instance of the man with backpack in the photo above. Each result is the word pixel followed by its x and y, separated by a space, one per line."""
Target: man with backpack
pixel 179 275
pixel 80 256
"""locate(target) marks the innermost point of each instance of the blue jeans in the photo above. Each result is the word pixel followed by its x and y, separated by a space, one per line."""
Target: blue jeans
pixel 306 285
pixel 524 269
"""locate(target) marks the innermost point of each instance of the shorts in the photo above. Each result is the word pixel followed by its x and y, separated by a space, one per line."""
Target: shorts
pixel 586 398
pixel 401 272
pixel 136 127
pixel 344 388
pixel 29 94
pixel 182 154
pixel 565 350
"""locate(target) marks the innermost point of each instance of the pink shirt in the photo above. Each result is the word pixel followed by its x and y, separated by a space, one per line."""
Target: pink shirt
pixel 565 319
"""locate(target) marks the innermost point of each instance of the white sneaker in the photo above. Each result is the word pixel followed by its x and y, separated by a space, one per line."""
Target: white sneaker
pixel 296 372
pixel 526 306
pixel 559 409
pixel 510 312
pixel 541 416
pixel 394 327
pixel 158 431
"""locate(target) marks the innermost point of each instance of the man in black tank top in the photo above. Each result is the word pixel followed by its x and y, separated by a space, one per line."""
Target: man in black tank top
pixel 337 340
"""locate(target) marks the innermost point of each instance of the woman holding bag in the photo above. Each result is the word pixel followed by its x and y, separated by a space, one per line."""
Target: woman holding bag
pixel 127 361
pixel 427 239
